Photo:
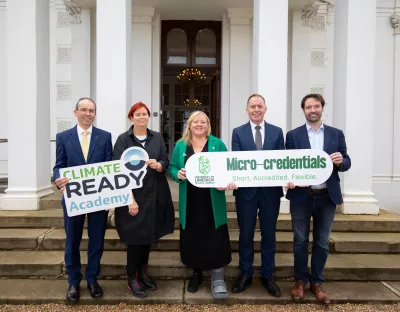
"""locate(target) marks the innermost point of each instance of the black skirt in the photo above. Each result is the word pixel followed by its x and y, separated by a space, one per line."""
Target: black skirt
pixel 203 246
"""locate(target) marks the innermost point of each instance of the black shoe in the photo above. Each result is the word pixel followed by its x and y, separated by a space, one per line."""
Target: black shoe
pixel 195 282
pixel 271 287
pixel 241 284
pixel 73 293
pixel 137 288
pixel 95 290
pixel 146 280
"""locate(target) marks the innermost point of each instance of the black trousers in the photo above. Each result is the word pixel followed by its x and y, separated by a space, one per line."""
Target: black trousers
pixel 137 258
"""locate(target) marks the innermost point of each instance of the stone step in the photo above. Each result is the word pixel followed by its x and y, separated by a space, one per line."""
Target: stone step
pixel 53 218
pixel 167 264
pixel 340 242
pixel 30 291
pixel 53 201
pixel 54 239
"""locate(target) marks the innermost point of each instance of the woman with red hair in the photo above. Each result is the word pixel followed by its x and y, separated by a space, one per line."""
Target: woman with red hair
pixel 151 215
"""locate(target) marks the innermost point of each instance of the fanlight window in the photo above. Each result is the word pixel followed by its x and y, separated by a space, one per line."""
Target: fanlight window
pixel 176 46
pixel 206 47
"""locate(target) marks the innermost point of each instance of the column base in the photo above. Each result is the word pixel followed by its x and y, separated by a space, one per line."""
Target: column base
pixel 359 203
pixel 24 199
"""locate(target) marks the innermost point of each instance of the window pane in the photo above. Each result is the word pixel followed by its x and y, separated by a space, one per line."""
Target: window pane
pixel 176 47
pixel 206 51
pixel 166 94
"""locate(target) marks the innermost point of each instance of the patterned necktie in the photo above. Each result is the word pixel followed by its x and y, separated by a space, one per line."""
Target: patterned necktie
pixel 258 138
pixel 85 144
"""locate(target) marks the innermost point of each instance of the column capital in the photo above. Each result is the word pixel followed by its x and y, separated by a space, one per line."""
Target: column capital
pixel 239 16
pixel 3 4
pixel 74 11
pixel 142 14
pixel 395 20
pixel 314 15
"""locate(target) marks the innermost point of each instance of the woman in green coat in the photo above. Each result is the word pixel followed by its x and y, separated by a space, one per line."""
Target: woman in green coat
pixel 204 236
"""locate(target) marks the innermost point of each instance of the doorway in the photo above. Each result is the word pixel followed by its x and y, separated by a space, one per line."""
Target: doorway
pixel 191 58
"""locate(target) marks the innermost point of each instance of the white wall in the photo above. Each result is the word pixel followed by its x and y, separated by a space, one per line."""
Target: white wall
pixel 386 184
pixel 93 58
pixel 289 73
pixel 142 62
pixel 312 62
pixel 3 104
pixel 156 73
pixel 300 68
pixel 80 67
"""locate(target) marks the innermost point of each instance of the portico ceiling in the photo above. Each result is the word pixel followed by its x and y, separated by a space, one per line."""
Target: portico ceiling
pixel 199 9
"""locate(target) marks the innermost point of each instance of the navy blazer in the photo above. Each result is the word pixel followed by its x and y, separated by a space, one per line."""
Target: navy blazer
pixel 69 151
pixel 334 141
pixel 243 140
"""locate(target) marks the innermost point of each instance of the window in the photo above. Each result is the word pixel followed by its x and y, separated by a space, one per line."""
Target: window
pixel 176 46
pixel 206 47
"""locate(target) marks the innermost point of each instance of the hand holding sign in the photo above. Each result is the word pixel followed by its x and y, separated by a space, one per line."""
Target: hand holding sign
pixel 61 183
pixel 182 174
pixel 337 158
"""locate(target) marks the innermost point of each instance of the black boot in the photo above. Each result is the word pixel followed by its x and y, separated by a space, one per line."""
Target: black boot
pixel 195 281
pixel 136 287
pixel 146 280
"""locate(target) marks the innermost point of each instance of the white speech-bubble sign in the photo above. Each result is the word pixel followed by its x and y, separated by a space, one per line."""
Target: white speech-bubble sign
pixel 104 185
pixel 259 168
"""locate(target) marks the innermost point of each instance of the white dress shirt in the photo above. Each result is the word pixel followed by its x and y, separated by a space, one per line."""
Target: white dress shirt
pixel 316 139
pixel 80 133
pixel 262 130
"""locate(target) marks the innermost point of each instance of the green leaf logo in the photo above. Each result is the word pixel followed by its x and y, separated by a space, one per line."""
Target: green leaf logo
pixel 204 165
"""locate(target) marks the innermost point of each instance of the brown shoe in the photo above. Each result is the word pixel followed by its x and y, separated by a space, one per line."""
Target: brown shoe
pixel 320 293
pixel 298 291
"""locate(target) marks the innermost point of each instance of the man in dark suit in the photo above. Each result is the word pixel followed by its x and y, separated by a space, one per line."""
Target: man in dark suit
pixel 81 145
pixel 319 201
pixel 257 135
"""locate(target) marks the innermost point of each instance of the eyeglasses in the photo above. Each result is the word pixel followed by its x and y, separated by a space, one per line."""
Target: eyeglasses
pixel 85 110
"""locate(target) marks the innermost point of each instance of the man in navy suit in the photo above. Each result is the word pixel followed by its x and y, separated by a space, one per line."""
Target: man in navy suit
pixel 81 145
pixel 319 201
pixel 257 135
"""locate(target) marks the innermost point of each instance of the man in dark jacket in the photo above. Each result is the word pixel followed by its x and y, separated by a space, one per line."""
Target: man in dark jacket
pixel 82 145
pixel 319 201
pixel 250 201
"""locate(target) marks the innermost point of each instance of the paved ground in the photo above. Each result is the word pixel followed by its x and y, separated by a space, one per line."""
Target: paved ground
pixel 202 308
pixel 173 292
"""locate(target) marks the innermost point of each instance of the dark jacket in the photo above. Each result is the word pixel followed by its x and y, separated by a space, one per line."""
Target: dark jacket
pixel 243 140
pixel 334 141
pixel 156 212
pixel 218 199
pixel 69 151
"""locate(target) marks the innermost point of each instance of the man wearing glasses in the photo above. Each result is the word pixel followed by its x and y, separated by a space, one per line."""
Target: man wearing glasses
pixel 82 145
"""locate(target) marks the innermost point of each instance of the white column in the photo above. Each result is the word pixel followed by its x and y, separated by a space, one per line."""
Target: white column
pixel 239 66
pixel 114 28
pixel 396 117
pixel 142 56
pixel 27 31
pixel 226 131
pixel 328 90
pixel 3 104
pixel 156 70
pixel 270 52
pixel 353 95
